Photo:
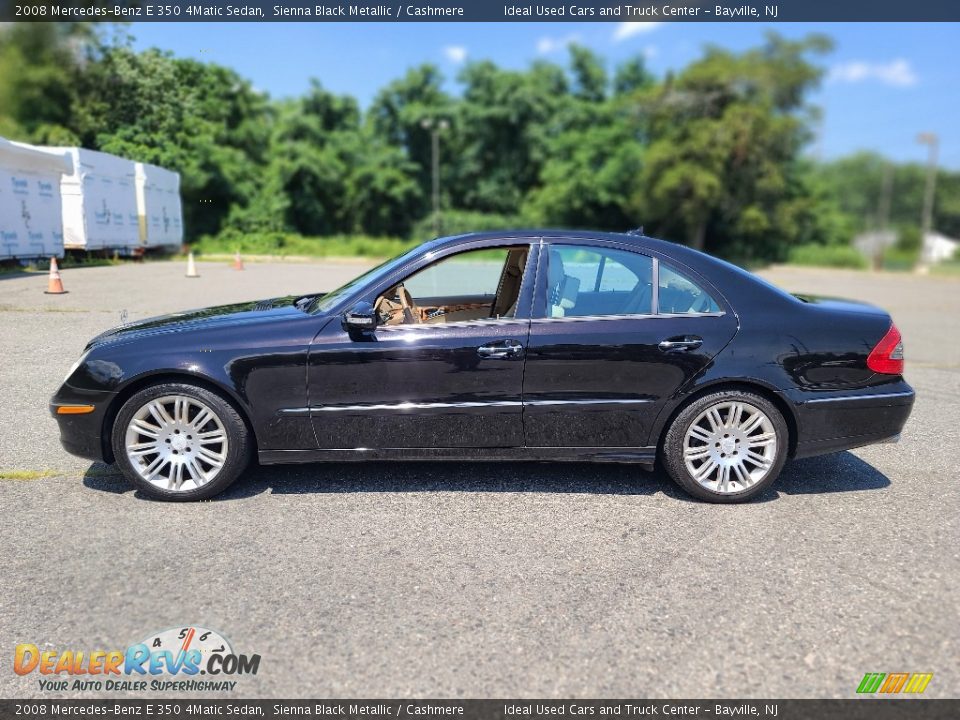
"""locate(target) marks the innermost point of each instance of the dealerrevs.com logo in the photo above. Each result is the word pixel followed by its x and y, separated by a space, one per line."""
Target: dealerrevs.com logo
pixel 186 659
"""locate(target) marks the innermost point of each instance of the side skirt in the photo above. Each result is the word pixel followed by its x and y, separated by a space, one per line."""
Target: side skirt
pixel 644 456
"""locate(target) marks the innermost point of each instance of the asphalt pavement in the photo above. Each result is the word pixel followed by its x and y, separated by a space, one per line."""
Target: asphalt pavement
pixel 479 579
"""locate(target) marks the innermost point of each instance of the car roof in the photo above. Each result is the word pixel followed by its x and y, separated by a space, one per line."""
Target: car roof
pixel 680 252
pixel 558 233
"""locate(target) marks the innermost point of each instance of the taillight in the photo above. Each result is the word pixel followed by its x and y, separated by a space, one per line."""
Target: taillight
pixel 887 356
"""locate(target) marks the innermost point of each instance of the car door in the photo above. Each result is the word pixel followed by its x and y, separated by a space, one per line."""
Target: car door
pixel 615 333
pixel 452 379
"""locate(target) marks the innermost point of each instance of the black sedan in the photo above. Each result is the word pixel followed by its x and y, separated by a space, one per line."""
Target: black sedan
pixel 541 345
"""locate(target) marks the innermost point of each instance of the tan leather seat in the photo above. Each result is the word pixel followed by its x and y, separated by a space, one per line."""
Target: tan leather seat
pixel 563 289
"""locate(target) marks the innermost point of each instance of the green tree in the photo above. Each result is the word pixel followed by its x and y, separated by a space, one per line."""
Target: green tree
pixel 723 165
pixel 199 119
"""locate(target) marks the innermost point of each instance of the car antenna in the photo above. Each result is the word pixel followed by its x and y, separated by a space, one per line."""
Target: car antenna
pixel 636 231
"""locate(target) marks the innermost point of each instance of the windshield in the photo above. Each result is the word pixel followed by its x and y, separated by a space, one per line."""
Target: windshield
pixel 330 300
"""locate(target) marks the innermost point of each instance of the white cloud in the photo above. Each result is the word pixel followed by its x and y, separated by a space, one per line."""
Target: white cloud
pixel 897 72
pixel 626 30
pixel 547 45
pixel 455 53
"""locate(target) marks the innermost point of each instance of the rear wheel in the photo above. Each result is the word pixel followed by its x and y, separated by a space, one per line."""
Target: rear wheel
pixel 726 447
pixel 180 442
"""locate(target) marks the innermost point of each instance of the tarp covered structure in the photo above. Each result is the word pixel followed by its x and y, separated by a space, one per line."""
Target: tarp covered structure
pixel 99 201
pixel 31 224
pixel 159 208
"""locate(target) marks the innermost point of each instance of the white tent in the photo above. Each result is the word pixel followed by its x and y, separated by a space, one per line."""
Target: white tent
pixel 158 204
pixel 99 201
pixel 31 223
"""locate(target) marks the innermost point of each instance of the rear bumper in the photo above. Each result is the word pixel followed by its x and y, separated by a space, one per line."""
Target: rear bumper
pixel 828 422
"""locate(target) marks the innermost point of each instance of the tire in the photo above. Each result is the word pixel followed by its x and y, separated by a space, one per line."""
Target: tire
pixel 704 448
pixel 157 431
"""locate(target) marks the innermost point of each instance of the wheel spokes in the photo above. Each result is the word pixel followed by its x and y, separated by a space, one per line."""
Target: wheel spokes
pixel 700 434
pixel 172 451
pixel 733 417
pixel 730 446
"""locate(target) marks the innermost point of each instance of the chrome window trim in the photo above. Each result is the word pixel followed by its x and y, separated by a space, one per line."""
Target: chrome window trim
pixel 459 323
pixel 632 316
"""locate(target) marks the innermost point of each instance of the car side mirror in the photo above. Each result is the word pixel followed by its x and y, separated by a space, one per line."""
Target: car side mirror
pixel 361 317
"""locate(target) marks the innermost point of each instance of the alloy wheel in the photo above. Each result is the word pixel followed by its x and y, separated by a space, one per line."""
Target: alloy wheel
pixel 730 447
pixel 176 443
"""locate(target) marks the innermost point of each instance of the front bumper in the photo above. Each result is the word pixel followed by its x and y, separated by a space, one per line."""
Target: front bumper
pixel 82 435
pixel 829 422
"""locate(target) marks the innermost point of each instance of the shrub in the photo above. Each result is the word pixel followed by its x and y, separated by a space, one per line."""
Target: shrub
pixel 898 258
pixel 835 256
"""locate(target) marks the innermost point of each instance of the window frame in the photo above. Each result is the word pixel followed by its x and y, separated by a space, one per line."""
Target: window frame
pixel 539 303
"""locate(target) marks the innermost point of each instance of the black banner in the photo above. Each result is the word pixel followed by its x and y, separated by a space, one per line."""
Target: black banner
pixel 853 709
pixel 769 11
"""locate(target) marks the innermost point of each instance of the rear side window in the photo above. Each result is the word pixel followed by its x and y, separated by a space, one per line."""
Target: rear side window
pixel 586 281
pixel 678 294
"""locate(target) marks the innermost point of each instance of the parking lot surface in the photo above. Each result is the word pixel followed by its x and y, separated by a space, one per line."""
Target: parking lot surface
pixel 482 579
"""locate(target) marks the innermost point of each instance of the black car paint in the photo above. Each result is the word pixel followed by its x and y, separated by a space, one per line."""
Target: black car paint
pixel 579 389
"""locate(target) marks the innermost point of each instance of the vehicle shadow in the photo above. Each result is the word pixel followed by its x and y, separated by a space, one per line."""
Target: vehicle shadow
pixel 840 472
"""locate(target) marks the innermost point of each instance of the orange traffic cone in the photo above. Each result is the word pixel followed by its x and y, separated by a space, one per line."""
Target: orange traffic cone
pixel 237 261
pixel 192 267
pixel 54 283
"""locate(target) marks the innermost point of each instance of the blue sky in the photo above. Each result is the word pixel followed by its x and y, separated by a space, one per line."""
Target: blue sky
pixel 885 83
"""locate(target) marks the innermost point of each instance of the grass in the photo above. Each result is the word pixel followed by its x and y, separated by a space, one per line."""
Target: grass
pixel 950 268
pixel 26 474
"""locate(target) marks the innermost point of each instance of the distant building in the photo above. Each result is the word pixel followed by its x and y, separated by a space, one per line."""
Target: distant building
pixel 937 247
pixel 873 244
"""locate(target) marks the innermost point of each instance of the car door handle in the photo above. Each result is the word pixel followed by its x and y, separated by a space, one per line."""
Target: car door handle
pixel 503 349
pixel 677 344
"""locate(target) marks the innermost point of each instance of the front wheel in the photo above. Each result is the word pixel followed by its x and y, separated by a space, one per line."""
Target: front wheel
pixel 726 447
pixel 180 442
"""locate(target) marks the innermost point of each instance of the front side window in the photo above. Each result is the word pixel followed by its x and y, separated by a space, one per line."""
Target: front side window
pixel 678 294
pixel 585 281
pixel 472 285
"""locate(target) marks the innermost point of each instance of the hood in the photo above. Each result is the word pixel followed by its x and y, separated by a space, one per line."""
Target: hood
pixel 841 304
pixel 203 318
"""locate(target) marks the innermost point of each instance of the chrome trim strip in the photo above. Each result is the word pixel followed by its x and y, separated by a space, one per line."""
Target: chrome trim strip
pixel 439 405
pixel 848 398
pixel 588 402
pixel 400 406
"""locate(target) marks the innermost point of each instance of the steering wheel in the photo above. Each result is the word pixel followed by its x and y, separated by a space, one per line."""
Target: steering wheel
pixel 411 313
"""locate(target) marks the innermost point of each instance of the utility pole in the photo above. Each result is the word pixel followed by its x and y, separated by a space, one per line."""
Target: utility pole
pixel 435 127
pixel 883 217
pixel 926 223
